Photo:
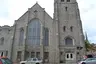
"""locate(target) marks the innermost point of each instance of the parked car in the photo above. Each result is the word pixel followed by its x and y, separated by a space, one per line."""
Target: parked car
pixel 5 60
pixel 32 61
pixel 88 56
pixel 88 61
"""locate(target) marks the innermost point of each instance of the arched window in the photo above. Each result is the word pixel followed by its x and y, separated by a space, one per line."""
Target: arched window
pixel 69 56
pixel 34 29
pixel 46 36
pixel 2 41
pixel 21 37
pixel 68 41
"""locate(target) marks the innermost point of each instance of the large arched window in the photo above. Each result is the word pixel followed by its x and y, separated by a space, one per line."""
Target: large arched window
pixel 68 41
pixel 34 29
pixel 21 37
pixel 46 37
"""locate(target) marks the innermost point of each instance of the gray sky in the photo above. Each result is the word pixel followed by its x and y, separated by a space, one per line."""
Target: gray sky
pixel 11 10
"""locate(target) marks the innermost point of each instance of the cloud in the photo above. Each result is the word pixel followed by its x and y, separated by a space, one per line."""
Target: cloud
pixel 87 10
pixel 3 8
pixel 4 21
pixel 19 7
pixel 92 39
pixel 11 10
pixel 4 13
pixel 86 5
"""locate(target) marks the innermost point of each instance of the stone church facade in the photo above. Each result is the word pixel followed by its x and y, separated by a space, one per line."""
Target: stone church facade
pixel 57 40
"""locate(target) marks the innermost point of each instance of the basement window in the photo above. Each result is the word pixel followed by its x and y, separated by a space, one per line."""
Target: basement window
pixel 68 0
pixel 62 0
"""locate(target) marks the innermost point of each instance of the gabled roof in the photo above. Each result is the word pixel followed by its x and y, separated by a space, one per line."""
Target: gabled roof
pixel 38 7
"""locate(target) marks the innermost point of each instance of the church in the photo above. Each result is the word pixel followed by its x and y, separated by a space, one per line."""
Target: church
pixel 57 40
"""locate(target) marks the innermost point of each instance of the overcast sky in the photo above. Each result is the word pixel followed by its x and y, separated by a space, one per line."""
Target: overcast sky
pixel 11 10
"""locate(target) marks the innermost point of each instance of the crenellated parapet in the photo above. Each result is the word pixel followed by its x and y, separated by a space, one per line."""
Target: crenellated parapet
pixel 6 29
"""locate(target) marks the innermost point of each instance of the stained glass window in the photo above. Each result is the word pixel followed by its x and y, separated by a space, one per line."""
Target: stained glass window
pixel 33 36
pixel 68 41
pixel 21 38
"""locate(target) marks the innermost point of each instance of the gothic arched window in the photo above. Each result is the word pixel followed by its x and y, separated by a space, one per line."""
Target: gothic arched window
pixel 46 36
pixel 68 41
pixel 34 29
pixel 21 37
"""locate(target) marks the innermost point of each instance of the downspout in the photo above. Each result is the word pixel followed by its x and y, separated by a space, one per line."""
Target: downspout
pixel 58 31
pixel 43 34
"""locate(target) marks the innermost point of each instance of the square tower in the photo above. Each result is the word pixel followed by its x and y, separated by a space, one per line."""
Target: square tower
pixel 68 33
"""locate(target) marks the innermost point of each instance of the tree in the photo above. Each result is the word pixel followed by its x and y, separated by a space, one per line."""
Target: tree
pixel 88 45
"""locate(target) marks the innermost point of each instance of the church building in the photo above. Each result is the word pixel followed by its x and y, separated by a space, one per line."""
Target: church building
pixel 57 40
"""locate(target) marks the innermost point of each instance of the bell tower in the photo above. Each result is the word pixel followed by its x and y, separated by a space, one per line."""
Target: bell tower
pixel 68 32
